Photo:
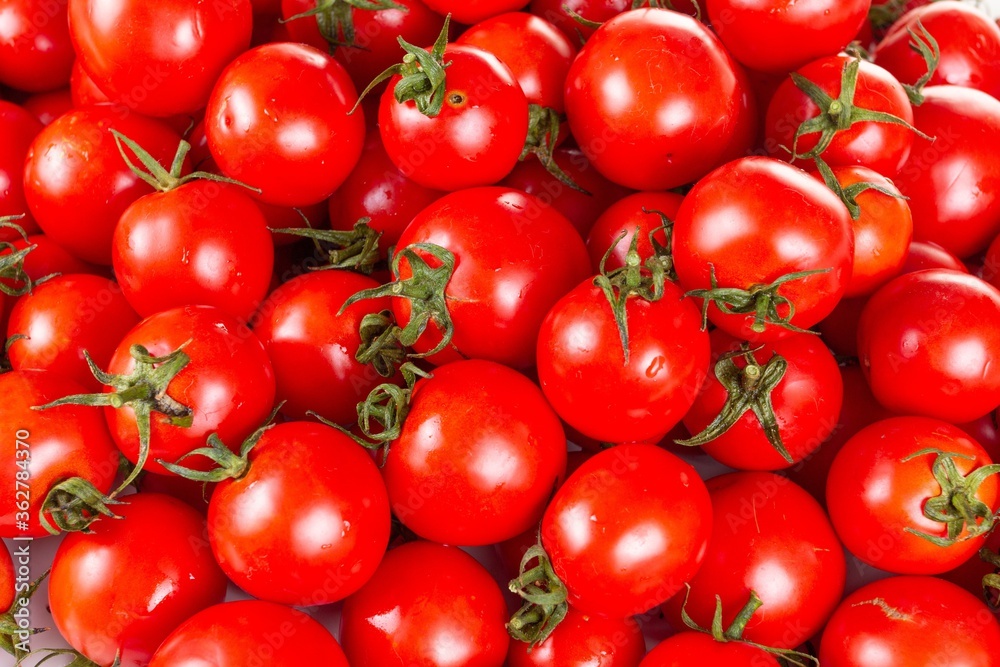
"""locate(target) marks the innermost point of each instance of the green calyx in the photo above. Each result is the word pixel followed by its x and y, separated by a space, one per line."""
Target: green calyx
pixel 747 389
pixel 422 75
pixel 837 115
pixel 763 301
pixel 12 636
pixel 543 132
pixel 545 598
pixel 849 195
pixel 336 18
pixel 991 582
pixel 13 280
pixel 356 250
pixel 380 346
pixel 957 507
pixel 923 43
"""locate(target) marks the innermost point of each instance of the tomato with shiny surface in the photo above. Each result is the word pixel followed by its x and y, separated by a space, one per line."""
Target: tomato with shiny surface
pixel 583 640
pixel 36 53
pixel 17 130
pixel 641 213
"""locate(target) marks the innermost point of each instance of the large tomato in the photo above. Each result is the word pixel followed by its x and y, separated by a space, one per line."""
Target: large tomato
pixel 35 49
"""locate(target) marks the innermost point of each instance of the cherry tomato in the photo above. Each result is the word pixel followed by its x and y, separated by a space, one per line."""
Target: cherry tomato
pixel 35 50
pixel 17 129
pixel 583 641
pixel 474 11
pixel 444 608
pixel 640 213
pixel 557 13
pixel 83 90
pixel 690 649
pixel 924 255
pixel 48 106
pixel 121 589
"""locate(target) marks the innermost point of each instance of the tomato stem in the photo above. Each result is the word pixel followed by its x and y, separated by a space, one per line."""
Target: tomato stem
pixel 543 132
pixel 11 634
pixel 13 279
pixel 850 194
pixel 923 43
pixel 335 18
pixel 545 597
pixel 355 250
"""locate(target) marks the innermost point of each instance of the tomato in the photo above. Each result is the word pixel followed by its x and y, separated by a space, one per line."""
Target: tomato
pixel 952 182
pixel 969 575
pixel 35 50
pixel 48 106
pixel 476 136
pixel 779 36
pixel 929 345
pixel 474 11
pixel 193 493
pixel 640 213
pixel 991 263
pixel 881 146
pixel 7 583
pixel 121 48
pixel 17 129
pixel 770 537
pixel 880 488
pixel 204 243
pixel 617 563
pixel 556 12
pixel 690 649
pixel 753 222
pixel 64 317
pixel 918 621
pixel 803 399
pixel 306 520
pixel 478 456
pixel 514 258
pixel 687 100
pixel 63 442
pixel 276 116
pixel 930 256
pixel 249 633
pixel 77 184
pixel 83 90
pixel 123 588
pixel 583 641
pixel 445 611
pixel 968 39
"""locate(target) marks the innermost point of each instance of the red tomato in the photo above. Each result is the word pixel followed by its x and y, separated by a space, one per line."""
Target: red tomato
pixel 83 90
pixel 76 182
pixel 640 212
pixel 969 575
pixel 583 641
pixel 779 36
pixel 249 633
pixel 772 538
pixel 918 621
pixel 193 493
pixel 35 49
pixel 654 100
pixel 7 583
pixel 474 11
pixel 443 608
pixel 46 107
pixel 991 264
pixel 929 345
pixel 276 117
pixel 690 649
pixel 121 46
pixel 17 129
pixel 557 13
pixel 123 588
pixel 63 442
pixel 732 223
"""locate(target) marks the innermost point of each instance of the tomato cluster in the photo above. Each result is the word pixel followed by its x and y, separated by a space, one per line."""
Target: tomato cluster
pixel 471 333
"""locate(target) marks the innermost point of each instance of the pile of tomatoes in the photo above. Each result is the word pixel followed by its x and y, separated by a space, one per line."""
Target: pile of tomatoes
pixel 556 334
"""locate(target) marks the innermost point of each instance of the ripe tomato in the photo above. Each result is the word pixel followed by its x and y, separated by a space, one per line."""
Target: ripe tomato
pixel 17 129
pixel 752 222
pixel 926 255
pixel 7 583
pixel 77 184
pixel 35 49
pixel 557 13
pixel 46 107
pixel 443 608
pixel 478 456
pixel 120 43
pixel 123 588
pixel 881 487
pixel 474 11
pixel 616 563
pixel 639 213
pixel 918 621
pixel 687 101
pixel 688 649
pixel 770 537
pixel 276 116
pixel 991 264
pixel 50 445
pixel 249 633
pixel 306 520
pixel 929 345
pixel 64 317
pixel 779 36
pixel 583 640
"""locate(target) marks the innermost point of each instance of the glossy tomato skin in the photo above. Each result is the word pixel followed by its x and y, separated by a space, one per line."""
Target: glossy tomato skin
pixel 127 585
pixel 63 442
pixel 476 138
pixel 442 473
pixel 35 49
pixel 806 405
pixel 929 345
pixel 77 184
pixel 17 129
pixel 649 144
pixel 625 217
pixel 591 542
pixel 228 384
pixel 927 255
pixel 474 11
pixel 447 611
pixel 750 29
pixel 249 632
pixel 582 369
pixel 204 243
pixel 731 220
pixel 882 147
pixel 308 523
pixel 583 641
pixel 876 494
pixel 921 621
pixel 64 317
pixel 952 183
pixel 277 117
pixel 514 259
pixel 692 649
pixel 127 58
pixel 771 537
pixel 969 41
